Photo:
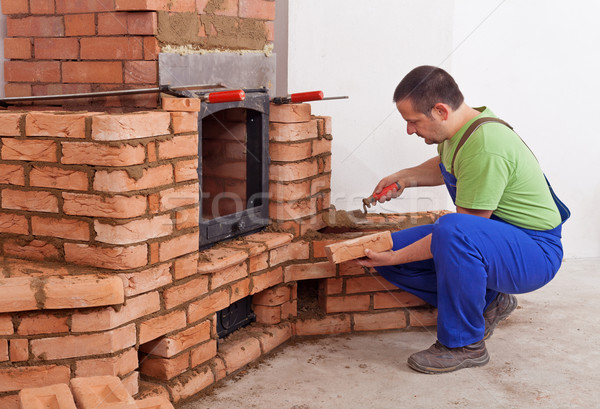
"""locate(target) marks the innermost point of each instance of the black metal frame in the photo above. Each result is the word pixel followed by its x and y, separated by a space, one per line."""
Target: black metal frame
pixel 256 215
pixel 236 316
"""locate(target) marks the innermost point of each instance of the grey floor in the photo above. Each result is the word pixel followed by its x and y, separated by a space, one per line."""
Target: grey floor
pixel 546 355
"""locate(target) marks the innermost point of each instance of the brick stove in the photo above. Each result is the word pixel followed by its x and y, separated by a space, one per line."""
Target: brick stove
pixel 102 271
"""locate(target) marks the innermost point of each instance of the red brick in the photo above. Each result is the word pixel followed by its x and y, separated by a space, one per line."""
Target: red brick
pixel 396 299
pixel 82 291
pixel 290 152
pixel 290 172
pixel 178 246
pixel 92 72
pixel 17 90
pixel 95 153
pixel 219 367
pixel 349 269
pixel 208 305
pixel 146 280
pixel 6 325
pixel 151 48
pixel 119 365
pixel 220 258
pixel 161 325
pixel 117 207
pixel 194 382
pixel 15 7
pixel 10 402
pixel 13 223
pixel 163 368
pixel 140 5
pixel 290 113
pixel 368 284
pixel 35 26
pixel 17 378
pixel 181 104
pixel 56 48
pixel 260 262
pixel 4 355
pixel 331 286
pixel 28 200
pixel 292 252
pixel 81 24
pixel 334 324
pixel 63 228
pixel 135 231
pixel 356 247
pixel 272 296
pixel 379 321
pixel 117 258
pixel 273 337
pixel 184 122
pixel 83 6
pixel 12 174
pixel 60 178
pixel 56 124
pixel 293 210
pixel 349 303
pixel 172 345
pixel 112 24
pixel 266 280
pixel 239 353
pixel 183 293
pixel 55 396
pixel 142 23
pixel 42 324
pixel 97 391
pixel 17 48
pixel 422 317
pixel 120 180
pixel 19 350
pixel 270 30
pixel 204 352
pixel 141 72
pixel 320 146
pixel 292 132
pixel 111 48
pixel 29 150
pixel 130 126
pixel 41 6
pixel 320 184
pixel 267 315
pixel 186 170
pixel 289 309
pixel 72 346
pixel 34 250
pixel 185 266
pixel 258 9
pixel 228 275
pixel 10 123
pixel 309 271
pixel 38 71
pixel 240 290
pixel 178 146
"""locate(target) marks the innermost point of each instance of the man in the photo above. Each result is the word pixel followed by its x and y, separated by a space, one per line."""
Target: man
pixel 504 239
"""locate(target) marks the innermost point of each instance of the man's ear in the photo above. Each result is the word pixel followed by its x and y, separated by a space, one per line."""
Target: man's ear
pixel 441 111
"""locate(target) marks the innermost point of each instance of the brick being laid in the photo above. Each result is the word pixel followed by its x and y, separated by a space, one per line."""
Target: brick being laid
pixel 355 248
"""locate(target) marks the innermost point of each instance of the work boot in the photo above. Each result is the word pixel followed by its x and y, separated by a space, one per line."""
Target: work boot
pixel 498 310
pixel 440 359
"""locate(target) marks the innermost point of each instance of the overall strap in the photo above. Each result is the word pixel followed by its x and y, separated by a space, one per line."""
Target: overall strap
pixel 472 128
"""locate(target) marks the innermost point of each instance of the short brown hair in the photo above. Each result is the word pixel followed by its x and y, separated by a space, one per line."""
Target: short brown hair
pixel 425 86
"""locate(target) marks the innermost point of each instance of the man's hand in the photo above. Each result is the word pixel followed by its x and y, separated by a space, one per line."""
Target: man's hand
pixel 374 259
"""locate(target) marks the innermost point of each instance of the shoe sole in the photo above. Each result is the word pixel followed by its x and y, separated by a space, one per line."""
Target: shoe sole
pixel 467 363
pixel 503 317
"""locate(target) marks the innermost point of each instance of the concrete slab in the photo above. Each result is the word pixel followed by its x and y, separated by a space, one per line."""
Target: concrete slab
pixel 546 355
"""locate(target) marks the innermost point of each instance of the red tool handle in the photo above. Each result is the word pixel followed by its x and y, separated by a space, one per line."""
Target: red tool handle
pixel 393 186
pixel 226 96
pixel 306 96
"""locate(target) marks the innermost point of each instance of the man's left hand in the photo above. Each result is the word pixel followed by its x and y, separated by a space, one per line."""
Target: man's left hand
pixel 374 259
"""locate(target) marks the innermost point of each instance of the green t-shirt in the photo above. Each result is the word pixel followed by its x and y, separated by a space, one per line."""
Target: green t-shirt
pixel 496 171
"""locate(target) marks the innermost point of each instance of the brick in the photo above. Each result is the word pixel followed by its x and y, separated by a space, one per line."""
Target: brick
pixel 161 325
pixel 180 196
pixel 99 391
pixel 379 321
pixel 146 280
pixel 29 150
pixel 292 252
pixel 82 291
pixel 203 353
pixel 267 315
pixel 6 325
pixel 171 345
pixel 289 310
pixel 178 246
pixel 350 269
pixel 368 284
pixel 119 181
pixel 140 5
pixel 112 24
pixel 10 123
pixel 17 378
pixel 10 402
pixel 292 132
pixel 118 365
pixel 290 172
pixel 165 369
pixel 94 153
pixel 35 26
pixel 273 337
pixel 355 248
pixel 270 240
pixel 220 258
pixel 117 258
pixel 321 146
pixel 117 207
pixel 240 353
pixel 219 367
pixel 56 124
pixel 42 323
pixel 41 6
pixel 349 303
pixel 150 389
pixel 194 382
pixel 29 200
pixel 309 271
pixel 182 6
pixel 102 72
pixel 4 354
pixel 208 305
pixel 84 6
pixel 54 89
pixel 135 231
pixel 59 178
pixel 131 384
pixel 272 296
pixel 290 113
pixel 331 286
pixel 258 9
pixel 320 184
pixel 140 72
pixel 34 250
pixel 17 90
pixel 228 275
pixel 151 48
pixel 130 126
pixel 56 48
pixel 178 146
pixel 60 227
pixel 15 7
pixel 185 266
pixel 181 104
pixel 183 293
pixel 240 290
pixel 186 170
pixel 319 247
pixel 290 152
pixel 266 280
pixel 80 25
pixel 142 23
pixel 54 396
pixel 396 299
pixel 13 223
pixel 422 317
pixel 19 350
pixel 334 324
pixel 183 122
pixel 257 263
pixel 109 318
pixel 17 48
pixel 73 346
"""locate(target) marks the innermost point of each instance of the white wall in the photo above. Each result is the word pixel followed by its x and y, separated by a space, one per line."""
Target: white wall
pixel 534 63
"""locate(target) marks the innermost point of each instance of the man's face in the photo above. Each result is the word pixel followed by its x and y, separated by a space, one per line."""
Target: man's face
pixel 431 129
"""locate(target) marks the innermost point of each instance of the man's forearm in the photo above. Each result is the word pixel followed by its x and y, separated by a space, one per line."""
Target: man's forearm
pixel 426 174
pixel 417 251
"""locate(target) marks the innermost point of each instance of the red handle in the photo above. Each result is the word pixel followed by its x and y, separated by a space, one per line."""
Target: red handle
pixel 393 186
pixel 226 96
pixel 306 96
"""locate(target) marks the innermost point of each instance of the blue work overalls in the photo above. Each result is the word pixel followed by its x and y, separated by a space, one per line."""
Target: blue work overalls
pixel 474 258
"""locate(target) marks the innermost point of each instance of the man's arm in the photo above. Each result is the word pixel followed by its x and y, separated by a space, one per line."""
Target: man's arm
pixel 426 174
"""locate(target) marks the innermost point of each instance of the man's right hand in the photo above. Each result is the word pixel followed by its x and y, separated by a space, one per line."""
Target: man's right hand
pixel 386 181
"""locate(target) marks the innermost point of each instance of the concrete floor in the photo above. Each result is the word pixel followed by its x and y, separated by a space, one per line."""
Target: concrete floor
pixel 546 355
